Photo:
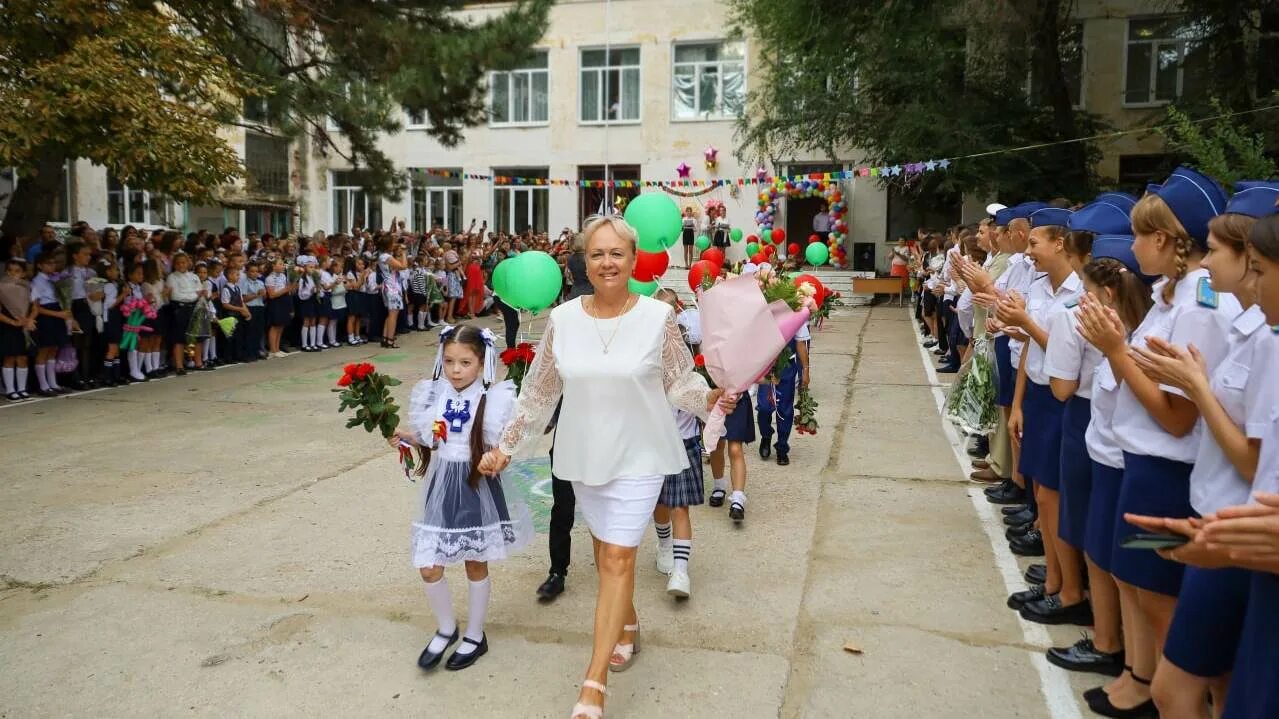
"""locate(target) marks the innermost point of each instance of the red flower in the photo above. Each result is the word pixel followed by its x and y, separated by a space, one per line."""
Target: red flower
pixel 349 369
pixel 525 353
pixel 699 360
pixel 363 370
pixel 345 380
pixel 509 355
pixel 524 346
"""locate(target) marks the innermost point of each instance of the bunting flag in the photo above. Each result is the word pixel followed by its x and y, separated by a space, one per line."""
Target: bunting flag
pixel 684 187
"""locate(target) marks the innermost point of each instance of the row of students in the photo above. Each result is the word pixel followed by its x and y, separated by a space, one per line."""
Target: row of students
pixel 1158 388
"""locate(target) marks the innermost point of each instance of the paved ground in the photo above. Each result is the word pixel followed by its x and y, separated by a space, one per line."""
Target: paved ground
pixel 220 546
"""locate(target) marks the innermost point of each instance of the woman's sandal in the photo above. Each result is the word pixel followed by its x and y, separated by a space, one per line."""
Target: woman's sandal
pixel 626 651
pixel 590 711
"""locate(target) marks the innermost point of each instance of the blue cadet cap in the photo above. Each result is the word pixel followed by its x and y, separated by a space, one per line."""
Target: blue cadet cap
pixel 1122 199
pixel 1050 216
pixel 1194 198
pixel 1004 216
pixel 1153 188
pixel 1254 198
pixel 1119 247
pixel 1022 211
pixel 1103 218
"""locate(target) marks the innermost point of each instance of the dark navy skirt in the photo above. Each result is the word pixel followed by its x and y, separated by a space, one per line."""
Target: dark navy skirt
pixel 1254 686
pixel 308 309
pixel 1204 636
pixel 51 331
pixel 740 425
pixel 1155 487
pixel 1075 472
pixel 113 327
pixel 279 311
pixel 1099 532
pixel 1041 435
pixel 13 341
pixel 1006 372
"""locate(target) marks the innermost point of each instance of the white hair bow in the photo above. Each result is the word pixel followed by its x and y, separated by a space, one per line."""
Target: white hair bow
pixel 445 331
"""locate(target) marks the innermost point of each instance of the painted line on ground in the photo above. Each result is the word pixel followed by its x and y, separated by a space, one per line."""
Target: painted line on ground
pixel 1053 682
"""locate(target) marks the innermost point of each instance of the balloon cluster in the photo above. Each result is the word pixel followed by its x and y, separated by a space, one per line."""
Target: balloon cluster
pixel 711 156
pixel 812 186
pixel 658 222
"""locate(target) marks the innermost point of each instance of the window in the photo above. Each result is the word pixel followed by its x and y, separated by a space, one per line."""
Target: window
pixel 61 210
pixel 709 81
pixel 416 118
pixel 599 200
pixel 266 164
pixel 1165 60
pixel 1268 54
pixel 132 206
pixel 261 221
pixel 610 85
pixel 352 205
pixel 436 200
pixel 519 207
pixel 520 97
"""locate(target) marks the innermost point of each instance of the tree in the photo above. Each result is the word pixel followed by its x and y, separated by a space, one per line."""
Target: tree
pixel 1221 149
pixel 143 88
pixel 909 80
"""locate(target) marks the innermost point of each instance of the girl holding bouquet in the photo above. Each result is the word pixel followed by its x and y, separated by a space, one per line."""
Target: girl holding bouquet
pixel 113 326
pixel 464 517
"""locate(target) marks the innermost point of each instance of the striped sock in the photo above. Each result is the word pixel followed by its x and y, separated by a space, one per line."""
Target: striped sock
pixel 683 550
pixel 663 534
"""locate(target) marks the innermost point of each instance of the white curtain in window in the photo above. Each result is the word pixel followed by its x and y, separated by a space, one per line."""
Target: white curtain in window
pixel 734 89
pixel 631 94
pixel 685 92
pixel 541 96
pixel 590 96
pixel 501 109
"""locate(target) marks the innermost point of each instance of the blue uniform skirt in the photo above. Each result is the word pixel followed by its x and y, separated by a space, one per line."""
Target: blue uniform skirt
pixel 740 425
pixel 113 328
pixel 1006 373
pixel 279 311
pixel 1041 435
pixel 1076 472
pixel 1155 487
pixel 307 308
pixel 1204 636
pixel 51 331
pixel 1254 686
pixel 1099 532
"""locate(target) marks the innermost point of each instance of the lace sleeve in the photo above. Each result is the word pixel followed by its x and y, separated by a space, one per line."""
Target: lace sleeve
pixel 685 388
pixel 539 394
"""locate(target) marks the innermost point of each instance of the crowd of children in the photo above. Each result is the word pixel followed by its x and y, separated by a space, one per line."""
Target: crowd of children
pixel 1134 344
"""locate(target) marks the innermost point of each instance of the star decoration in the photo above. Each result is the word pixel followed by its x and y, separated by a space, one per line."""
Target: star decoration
pixel 930 165
pixel 944 164
pixel 683 169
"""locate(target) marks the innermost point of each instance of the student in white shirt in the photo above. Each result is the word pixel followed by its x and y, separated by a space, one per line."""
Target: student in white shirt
pixel 184 289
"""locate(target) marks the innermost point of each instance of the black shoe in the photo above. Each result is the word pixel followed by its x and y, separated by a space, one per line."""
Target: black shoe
pixel 182 372
pixel 978 447
pixel 461 661
pixel 1017 600
pixel 1084 657
pixel 1031 545
pixel 1050 610
pixel 736 512
pixel 1101 705
pixel 1018 530
pixel 1010 494
pixel 428 659
pixel 947 370
pixel 1036 573
pixel 1023 517
pixel 1013 509
pixel 783 459
pixel 717 498
pixel 552 587
pixel 765 447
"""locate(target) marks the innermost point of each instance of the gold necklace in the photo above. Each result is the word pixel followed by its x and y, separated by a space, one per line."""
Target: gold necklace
pixel 596 320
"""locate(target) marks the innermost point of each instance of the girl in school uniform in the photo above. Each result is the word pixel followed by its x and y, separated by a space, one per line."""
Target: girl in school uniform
pixel 184 288
pixel 354 281
pixel 135 286
pixel 463 517
pixel 333 277
pixel 113 294
pixel 688 228
pixel 374 309
pixel 306 303
pixel 51 325
pixel 324 309
pixel 1153 423
pixel 279 306
pixel 1234 404
pixel 157 294
pixel 389 265
pixel 1036 416
pixel 17 318
pixel 739 431
pixel 419 303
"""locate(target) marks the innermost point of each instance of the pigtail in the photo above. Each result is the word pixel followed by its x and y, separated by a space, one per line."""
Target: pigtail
pixel 478 447
pixel 423 458
pixel 1183 253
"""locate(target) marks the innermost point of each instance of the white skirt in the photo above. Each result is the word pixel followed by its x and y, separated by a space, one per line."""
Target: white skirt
pixel 619 511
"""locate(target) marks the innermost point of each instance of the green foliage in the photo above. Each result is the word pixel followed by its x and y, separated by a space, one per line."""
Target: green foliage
pixel 1222 148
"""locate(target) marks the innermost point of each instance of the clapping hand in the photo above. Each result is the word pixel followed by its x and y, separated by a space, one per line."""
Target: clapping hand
pixel 1101 326
pixel 1166 363
pixel 1011 309
pixel 1249 534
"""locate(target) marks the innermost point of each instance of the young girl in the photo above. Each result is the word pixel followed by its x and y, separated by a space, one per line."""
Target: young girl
pixel 336 282
pixel 307 303
pixel 1036 416
pixel 679 492
pixel 206 341
pixel 439 283
pixel 1154 424
pixel 184 288
pixel 17 318
pixel 418 308
pixel 392 294
pixel 113 295
pixel 354 275
pixel 739 431
pixel 51 325
pixel 279 306
pixel 688 230
pixel 464 517
pixel 324 309
pixel 474 293
pixel 453 279
pixel 374 309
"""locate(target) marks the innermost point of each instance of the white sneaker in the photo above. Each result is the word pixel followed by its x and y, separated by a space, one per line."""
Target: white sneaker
pixel 679 585
pixel 665 559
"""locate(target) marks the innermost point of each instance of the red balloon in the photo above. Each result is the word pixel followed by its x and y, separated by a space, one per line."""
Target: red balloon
pixel 650 265
pixel 700 270
pixel 817 285
pixel 769 250
pixel 793 248
pixel 814 238
pixel 779 236
pixel 752 238
pixel 714 255
pixel 759 258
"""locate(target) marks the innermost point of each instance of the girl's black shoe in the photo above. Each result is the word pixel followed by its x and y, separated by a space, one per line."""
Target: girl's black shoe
pixel 428 659
pixel 462 661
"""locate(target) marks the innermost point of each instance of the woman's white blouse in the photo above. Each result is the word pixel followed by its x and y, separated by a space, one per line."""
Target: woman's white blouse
pixel 1069 356
pixel 183 286
pixel 1267 478
pixel 1248 396
pixel 1182 322
pixel 616 418
pixel 1043 305
pixel 1103 446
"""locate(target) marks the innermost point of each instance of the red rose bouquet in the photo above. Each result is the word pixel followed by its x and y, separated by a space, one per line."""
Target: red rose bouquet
pixel 362 387
pixel 517 360
pixel 805 413
pixel 699 366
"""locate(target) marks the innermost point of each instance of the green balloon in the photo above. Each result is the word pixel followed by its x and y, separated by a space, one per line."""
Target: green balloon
pixel 735 234
pixel 817 254
pixel 642 288
pixel 702 242
pixel 656 219
pixel 531 281
pixel 752 249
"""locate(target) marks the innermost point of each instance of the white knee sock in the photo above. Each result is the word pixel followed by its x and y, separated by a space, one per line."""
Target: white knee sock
pixel 437 594
pixel 315 335
pixel 663 535
pixel 423 319
pixel 51 371
pixel 683 550
pixel 44 381
pixel 22 379
pixel 8 380
pixel 133 364
pixel 721 484
pixel 153 361
pixel 477 606
pixel 333 333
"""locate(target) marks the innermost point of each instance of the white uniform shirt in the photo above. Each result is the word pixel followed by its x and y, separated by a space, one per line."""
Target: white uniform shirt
pixel 1069 356
pixel 183 286
pixel 43 291
pixel 1043 304
pixel 1267 477
pixel 691 320
pixel 306 285
pixel 1249 398
pixel 275 282
pixel 950 277
pixel 1019 276
pixel 1103 447
pixel 686 423
pixel 79 275
pixel 1182 322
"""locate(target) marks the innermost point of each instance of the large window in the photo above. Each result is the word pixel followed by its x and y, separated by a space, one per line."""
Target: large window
pixel 610 85
pixel 133 206
pixel 266 164
pixel 709 81
pixel 353 206
pixel 1165 60
pixel 437 200
pixel 519 207
pixel 520 97
pixel 600 200
pixel 61 210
